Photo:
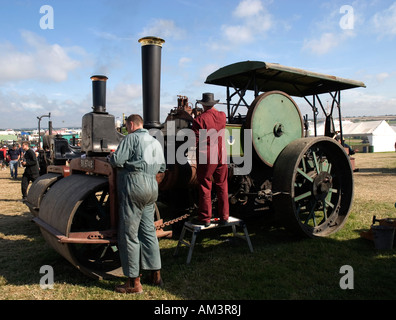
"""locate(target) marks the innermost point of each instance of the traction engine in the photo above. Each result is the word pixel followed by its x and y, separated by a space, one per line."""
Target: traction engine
pixel 305 183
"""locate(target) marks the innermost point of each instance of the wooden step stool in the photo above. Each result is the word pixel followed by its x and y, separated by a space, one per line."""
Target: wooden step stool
pixel 196 229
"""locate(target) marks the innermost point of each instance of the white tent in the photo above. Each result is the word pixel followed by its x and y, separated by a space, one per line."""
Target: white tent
pixel 379 133
pixel 320 127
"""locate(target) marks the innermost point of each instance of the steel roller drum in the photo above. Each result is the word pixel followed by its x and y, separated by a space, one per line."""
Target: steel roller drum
pixel 275 121
pixel 38 189
pixel 80 203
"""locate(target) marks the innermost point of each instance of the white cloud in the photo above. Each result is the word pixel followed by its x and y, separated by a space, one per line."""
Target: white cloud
pixel 385 22
pixel 253 21
pixel 204 72
pixel 323 45
pixel 382 76
pixel 238 34
pixel 31 106
pixel 111 36
pixel 123 97
pixel 332 29
pixel 40 60
pixel 183 61
pixel 248 8
pixel 163 28
pixel 124 93
pixel 327 42
pixel 20 108
pixel 358 102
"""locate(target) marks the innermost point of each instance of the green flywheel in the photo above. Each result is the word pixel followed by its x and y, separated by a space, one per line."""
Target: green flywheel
pixel 275 121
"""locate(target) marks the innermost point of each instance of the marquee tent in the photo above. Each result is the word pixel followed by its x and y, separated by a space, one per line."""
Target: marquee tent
pixel 380 134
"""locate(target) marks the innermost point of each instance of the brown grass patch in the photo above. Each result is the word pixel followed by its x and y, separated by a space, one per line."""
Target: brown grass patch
pixel 376 178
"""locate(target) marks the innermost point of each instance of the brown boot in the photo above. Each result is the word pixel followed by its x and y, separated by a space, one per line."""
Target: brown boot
pixel 132 285
pixel 156 279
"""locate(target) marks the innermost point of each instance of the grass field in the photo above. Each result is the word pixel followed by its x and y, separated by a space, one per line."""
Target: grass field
pixel 281 267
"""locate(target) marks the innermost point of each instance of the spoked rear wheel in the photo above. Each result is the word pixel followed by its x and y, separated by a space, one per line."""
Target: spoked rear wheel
pixel 313 183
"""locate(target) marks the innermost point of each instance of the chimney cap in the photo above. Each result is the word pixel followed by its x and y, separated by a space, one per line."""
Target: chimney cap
pixel 99 78
pixel 151 41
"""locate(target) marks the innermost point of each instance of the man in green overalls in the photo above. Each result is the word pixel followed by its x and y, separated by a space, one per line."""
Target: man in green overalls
pixel 138 159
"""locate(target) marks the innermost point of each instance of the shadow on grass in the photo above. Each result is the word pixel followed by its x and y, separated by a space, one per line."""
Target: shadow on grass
pixel 378 171
pixel 282 266
pixel 23 251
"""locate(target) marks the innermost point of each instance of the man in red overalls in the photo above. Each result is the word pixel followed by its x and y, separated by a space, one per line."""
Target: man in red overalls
pixel 209 129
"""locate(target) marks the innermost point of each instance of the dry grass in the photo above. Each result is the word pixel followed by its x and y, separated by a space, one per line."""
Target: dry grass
pixel 376 177
pixel 280 268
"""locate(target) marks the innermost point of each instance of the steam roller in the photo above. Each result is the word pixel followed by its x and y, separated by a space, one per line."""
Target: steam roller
pixel 277 168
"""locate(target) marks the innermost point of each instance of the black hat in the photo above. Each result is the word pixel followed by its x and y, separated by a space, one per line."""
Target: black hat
pixel 208 100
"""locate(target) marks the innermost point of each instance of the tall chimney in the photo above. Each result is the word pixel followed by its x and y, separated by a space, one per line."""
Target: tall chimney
pixel 151 74
pixel 99 93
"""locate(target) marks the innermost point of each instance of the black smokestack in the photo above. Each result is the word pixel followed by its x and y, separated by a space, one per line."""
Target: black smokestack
pixel 151 74
pixel 99 93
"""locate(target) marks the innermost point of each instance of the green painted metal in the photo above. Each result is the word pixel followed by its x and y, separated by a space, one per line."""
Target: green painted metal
pixel 234 140
pixel 275 121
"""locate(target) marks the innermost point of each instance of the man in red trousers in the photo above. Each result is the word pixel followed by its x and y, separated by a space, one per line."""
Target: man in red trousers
pixel 209 129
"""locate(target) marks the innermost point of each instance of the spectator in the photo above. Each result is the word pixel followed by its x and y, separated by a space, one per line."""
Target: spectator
pixel 14 155
pixel 2 158
pixel 31 168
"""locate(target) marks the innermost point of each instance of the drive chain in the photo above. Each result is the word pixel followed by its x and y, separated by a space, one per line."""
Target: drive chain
pixel 170 222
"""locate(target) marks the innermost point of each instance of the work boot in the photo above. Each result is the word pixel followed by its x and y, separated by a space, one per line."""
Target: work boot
pixel 156 279
pixel 222 222
pixel 132 285
pixel 199 222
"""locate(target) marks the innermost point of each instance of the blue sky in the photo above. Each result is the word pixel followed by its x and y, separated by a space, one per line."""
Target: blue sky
pixel 48 70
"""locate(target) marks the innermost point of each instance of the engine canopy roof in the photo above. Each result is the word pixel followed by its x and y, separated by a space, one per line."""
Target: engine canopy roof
pixel 264 77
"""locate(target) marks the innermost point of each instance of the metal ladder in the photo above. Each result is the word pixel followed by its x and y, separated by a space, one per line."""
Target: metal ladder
pixel 196 229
